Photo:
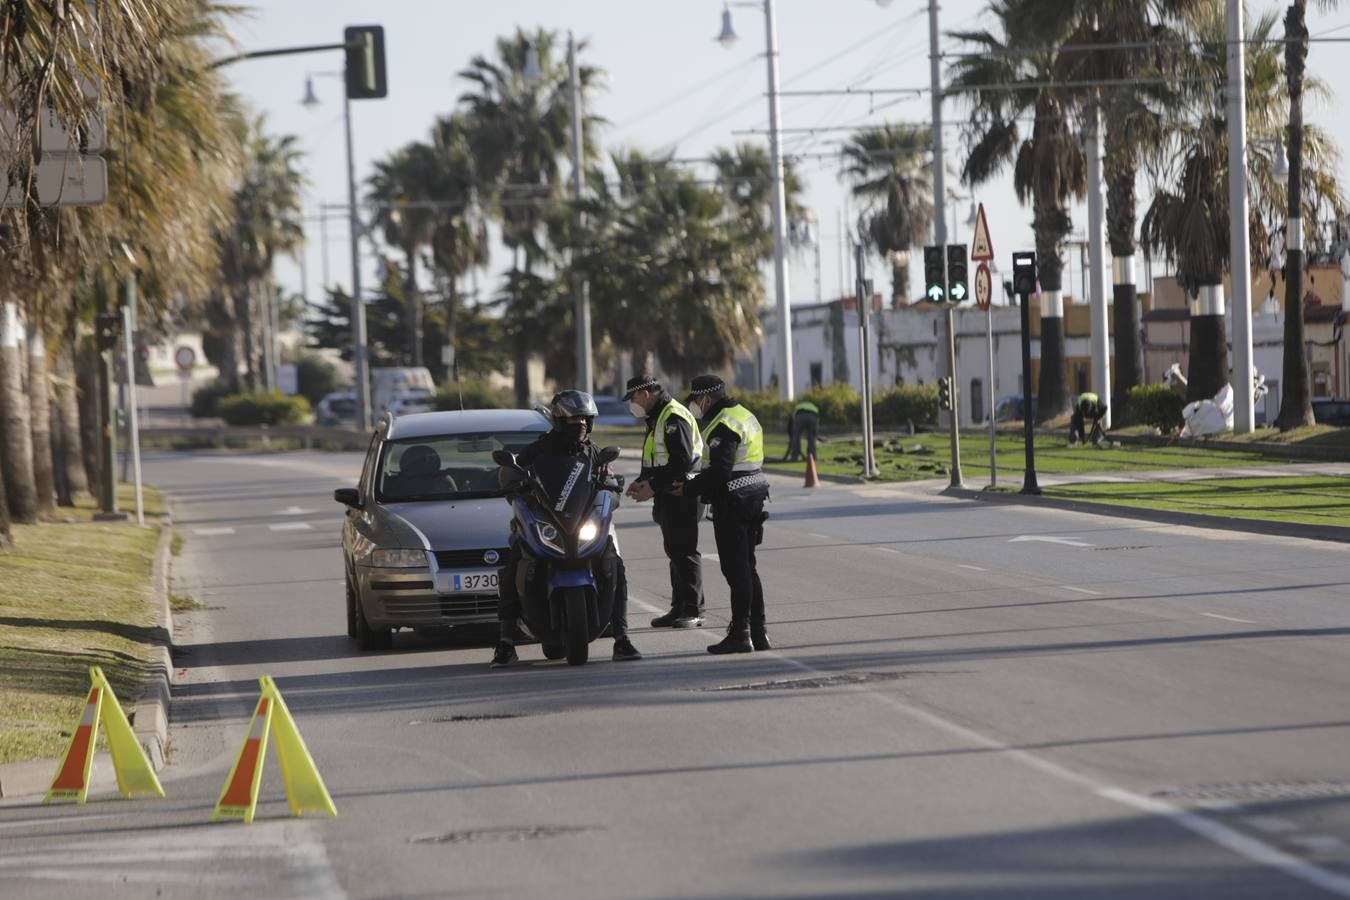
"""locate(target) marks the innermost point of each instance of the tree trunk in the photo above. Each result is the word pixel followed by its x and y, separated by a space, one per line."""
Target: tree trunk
pixel 1296 400
pixel 247 326
pixel 1128 368
pixel 1207 370
pixel 86 392
pixel 451 307
pixel 40 407
pixel 6 534
pixel 16 438
pixel 72 481
pixel 1052 391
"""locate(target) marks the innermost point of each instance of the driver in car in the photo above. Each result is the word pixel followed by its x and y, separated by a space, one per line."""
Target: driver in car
pixel 573 415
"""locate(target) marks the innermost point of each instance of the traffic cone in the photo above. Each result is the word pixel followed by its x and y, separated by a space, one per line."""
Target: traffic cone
pixel 134 773
pixel 305 789
pixel 812 479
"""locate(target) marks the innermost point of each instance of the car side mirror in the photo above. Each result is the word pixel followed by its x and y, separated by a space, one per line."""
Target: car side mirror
pixel 348 497
pixel 608 455
pixel 503 457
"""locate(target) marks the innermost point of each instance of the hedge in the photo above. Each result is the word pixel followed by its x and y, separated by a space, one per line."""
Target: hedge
pixel 1155 405
pixel 206 398
pixel 841 407
pixel 473 395
pixel 263 409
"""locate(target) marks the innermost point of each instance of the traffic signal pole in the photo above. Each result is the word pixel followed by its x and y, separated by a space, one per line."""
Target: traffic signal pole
pixel 1024 284
pixel 956 398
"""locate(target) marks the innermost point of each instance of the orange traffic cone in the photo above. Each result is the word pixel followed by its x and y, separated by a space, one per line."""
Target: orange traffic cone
pixel 812 479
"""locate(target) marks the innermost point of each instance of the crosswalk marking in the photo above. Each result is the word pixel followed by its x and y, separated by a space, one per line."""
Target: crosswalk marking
pixel 290 526
pixel 211 532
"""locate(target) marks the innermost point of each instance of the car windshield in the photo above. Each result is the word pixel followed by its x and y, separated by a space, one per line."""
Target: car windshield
pixel 445 467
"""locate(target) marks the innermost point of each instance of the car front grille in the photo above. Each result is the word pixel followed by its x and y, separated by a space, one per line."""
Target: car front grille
pixel 424 609
pixel 467 559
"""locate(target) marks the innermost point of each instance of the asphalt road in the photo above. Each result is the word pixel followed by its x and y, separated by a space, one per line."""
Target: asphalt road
pixel 965 701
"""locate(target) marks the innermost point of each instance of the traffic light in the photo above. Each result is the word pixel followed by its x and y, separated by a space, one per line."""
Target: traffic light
pixel 944 393
pixel 107 326
pixel 365 62
pixel 1025 275
pixel 958 289
pixel 934 274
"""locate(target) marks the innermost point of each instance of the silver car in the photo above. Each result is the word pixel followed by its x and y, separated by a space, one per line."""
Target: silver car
pixel 427 527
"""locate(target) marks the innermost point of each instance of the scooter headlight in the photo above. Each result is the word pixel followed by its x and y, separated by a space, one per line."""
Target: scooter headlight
pixel 588 532
pixel 549 535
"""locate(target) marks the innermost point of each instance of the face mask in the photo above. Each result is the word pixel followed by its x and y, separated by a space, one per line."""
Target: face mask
pixel 637 410
pixel 574 431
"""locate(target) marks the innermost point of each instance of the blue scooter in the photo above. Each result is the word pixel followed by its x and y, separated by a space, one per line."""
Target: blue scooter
pixel 562 517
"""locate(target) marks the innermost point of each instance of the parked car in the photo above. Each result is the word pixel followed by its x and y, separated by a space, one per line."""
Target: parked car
pixel 426 526
pixel 1331 412
pixel 1009 408
pixel 412 401
pixel 338 408
pixel 614 411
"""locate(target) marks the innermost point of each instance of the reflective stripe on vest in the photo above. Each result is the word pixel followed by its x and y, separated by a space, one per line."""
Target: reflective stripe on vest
pixel 655 453
pixel 750 452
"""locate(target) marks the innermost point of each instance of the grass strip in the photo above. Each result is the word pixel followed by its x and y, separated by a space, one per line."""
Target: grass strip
pixel 1308 500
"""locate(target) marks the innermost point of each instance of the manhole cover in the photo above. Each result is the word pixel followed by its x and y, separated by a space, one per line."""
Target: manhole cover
pixel 473 717
pixel 508 833
pixel 1258 791
pixel 822 681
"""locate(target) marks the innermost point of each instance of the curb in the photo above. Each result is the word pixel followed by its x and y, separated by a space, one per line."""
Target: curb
pixel 1333 533
pixel 832 479
pixel 150 716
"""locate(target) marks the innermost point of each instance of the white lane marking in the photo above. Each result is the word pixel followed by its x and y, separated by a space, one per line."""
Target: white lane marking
pixel 1241 844
pixel 292 511
pixel 1255 850
pixel 211 532
pixel 819 537
pixel 1318 843
pixel 1228 618
pixel 1271 824
pixel 972 568
pixel 1047 539
pixel 891 550
pixel 290 526
pixel 1069 587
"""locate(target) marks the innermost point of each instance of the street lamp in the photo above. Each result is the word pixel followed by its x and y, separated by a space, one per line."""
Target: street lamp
pixel 727 37
pixel 1281 166
pixel 359 348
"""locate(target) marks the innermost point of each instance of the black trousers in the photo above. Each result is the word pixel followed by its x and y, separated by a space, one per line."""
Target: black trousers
pixel 678 518
pixel 517 570
pixel 803 423
pixel 738 526
pixel 1078 422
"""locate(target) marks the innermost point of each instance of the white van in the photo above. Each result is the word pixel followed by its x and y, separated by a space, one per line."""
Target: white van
pixel 400 390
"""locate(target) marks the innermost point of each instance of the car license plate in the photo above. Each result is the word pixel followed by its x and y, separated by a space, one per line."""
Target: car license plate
pixel 473 583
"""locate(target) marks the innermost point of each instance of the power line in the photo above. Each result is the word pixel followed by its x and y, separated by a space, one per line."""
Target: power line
pixel 1131 45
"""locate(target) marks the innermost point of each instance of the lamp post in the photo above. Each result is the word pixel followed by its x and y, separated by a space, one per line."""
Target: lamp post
pixel 359 349
pixel 726 38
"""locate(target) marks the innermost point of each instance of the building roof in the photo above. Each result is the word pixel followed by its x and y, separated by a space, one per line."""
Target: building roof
pixel 420 425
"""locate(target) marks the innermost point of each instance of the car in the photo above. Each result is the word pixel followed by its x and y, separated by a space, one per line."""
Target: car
pixel 412 401
pixel 1009 408
pixel 338 408
pixel 426 526
pixel 614 411
pixel 1331 412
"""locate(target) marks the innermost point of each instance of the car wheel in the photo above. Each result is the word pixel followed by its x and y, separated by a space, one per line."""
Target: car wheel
pixel 368 638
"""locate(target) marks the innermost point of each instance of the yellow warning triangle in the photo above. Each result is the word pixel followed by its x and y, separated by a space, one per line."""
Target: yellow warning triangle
pixel 305 789
pixel 135 775
pixel 72 776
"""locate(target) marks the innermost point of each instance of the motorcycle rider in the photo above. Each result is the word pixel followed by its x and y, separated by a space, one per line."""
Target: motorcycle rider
pixel 573 415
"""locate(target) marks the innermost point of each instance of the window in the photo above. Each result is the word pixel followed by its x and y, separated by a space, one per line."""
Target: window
pixel 976 400
pixel 444 467
pixel 817 374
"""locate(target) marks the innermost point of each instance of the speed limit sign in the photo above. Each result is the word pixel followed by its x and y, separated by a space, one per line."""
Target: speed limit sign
pixel 185 357
pixel 983 286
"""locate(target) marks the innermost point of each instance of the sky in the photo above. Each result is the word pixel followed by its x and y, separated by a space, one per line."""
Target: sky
pixel 669 87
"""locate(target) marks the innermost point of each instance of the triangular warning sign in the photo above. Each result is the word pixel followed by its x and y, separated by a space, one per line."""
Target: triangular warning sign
pixel 981 247
pixel 135 775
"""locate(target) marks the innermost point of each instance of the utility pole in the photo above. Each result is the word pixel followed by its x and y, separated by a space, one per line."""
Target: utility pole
pixel 1096 240
pixel 585 372
pixel 940 227
pixel 863 288
pixel 780 271
pixel 360 353
pixel 1244 374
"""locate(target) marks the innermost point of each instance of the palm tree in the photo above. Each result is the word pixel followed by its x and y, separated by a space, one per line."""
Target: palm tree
pixel 519 129
pixel 745 179
pixel 891 171
pixel 1188 219
pixel 1014 77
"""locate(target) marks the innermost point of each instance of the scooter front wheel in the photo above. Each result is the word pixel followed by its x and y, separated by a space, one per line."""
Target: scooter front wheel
pixel 578 626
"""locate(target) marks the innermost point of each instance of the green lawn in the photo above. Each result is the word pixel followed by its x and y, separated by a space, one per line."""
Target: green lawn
pixel 1312 500
pixel 76 594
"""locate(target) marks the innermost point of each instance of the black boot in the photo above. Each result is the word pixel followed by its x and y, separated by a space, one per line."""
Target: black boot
pixel 624 649
pixel 736 641
pixel 759 636
pixel 504 655
pixel 678 618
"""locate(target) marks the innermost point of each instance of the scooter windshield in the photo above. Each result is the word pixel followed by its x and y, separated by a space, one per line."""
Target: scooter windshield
pixel 566 481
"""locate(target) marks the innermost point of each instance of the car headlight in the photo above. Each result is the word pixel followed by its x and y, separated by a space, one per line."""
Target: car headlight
pixel 588 532
pixel 398 559
pixel 549 535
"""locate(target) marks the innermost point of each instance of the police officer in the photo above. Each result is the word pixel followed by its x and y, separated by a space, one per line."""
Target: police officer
pixel 733 484
pixel 1087 406
pixel 805 420
pixel 670 455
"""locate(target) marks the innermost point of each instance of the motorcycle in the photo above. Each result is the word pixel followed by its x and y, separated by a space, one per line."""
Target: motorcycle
pixel 563 516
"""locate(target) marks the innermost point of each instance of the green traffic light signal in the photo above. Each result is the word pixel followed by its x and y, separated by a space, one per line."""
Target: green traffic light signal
pixel 958 288
pixel 934 274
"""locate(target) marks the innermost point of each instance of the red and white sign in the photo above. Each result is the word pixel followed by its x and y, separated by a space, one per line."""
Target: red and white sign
pixel 981 247
pixel 185 357
pixel 983 286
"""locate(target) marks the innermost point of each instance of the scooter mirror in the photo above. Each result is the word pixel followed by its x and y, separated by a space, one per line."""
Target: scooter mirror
pixel 503 457
pixel 608 455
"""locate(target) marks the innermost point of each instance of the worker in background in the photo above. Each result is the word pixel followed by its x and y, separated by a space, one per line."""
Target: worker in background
pixel 1087 406
pixel 805 421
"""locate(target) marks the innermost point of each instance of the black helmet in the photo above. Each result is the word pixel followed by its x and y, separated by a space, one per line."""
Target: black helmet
pixel 569 403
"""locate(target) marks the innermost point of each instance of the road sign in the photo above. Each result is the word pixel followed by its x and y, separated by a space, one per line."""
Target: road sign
pixel 981 247
pixel 56 138
pixel 983 286
pixel 64 179
pixel 185 357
